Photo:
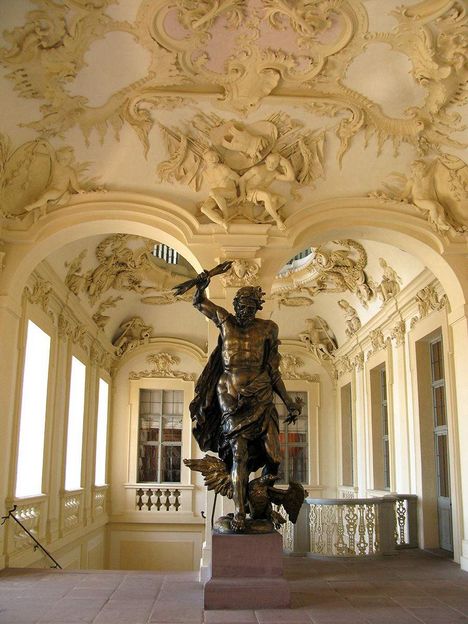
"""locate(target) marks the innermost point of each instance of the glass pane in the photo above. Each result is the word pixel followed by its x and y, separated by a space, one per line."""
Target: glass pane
pixel 33 412
pixel 386 464
pixel 172 429
pixel 442 465
pixel 297 460
pixel 170 463
pixel 101 434
pixel 347 435
pixel 75 425
pixel 383 384
pixel 148 463
pixel 293 440
pixel 437 363
pixel 438 397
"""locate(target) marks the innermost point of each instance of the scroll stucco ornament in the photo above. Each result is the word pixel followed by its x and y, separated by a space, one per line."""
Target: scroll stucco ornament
pixel 377 340
pixel 289 365
pixel 338 266
pixel 352 320
pixel 44 56
pixel 398 333
pixel 319 338
pixel 99 317
pixel 36 177
pixel 429 300
pixel 133 333
pixel 125 262
pixel 243 272
pixel 162 365
pixel 438 189
pixel 239 164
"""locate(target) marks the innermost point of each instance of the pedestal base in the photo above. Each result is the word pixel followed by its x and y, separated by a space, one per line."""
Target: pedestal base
pixel 247 573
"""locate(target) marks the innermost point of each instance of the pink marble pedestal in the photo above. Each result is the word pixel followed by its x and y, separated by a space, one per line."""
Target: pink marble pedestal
pixel 247 573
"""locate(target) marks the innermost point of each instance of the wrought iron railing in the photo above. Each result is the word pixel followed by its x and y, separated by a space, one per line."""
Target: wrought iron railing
pixel 37 544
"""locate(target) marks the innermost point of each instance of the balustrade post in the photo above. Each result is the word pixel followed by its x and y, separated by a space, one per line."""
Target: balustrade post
pixel 301 533
pixel 412 511
pixel 386 520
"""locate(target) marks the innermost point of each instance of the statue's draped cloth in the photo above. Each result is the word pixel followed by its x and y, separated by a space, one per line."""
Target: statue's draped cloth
pixel 256 420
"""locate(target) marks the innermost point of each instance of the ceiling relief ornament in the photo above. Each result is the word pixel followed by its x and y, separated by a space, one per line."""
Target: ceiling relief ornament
pixel 289 364
pixel 428 300
pixel 133 333
pixel 438 189
pixel 377 341
pixel 39 294
pixel 319 338
pixel 243 272
pixel 398 333
pixel 239 165
pixel 245 66
pixel 434 37
pixel 352 320
pixel 162 365
pixel 99 317
pixel 126 263
pixel 389 285
pixel 338 266
pixel 36 177
pixel 223 49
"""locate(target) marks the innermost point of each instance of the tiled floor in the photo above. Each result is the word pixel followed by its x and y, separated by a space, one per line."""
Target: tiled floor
pixel 409 588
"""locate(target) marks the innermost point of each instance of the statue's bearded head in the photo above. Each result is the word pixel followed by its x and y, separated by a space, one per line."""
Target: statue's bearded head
pixel 246 303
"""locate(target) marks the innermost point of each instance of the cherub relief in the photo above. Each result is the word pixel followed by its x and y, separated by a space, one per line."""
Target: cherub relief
pixel 134 332
pixel 439 189
pixel 36 176
pixel 352 320
pixel 390 284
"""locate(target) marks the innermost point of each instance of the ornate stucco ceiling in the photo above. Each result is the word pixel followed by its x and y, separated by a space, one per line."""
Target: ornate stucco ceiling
pixel 237 113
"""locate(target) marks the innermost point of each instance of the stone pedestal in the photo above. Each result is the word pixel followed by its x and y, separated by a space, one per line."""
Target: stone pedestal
pixel 247 573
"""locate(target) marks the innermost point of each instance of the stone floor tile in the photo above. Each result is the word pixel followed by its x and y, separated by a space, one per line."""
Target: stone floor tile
pixel 242 616
pixel 170 613
pixel 75 610
pixel 125 612
pixel 439 615
pixel 282 616
pixel 353 588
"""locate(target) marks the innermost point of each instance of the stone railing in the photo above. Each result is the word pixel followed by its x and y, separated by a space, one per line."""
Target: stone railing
pixel 361 527
pixel 160 499
pixel 72 510
pixel 31 513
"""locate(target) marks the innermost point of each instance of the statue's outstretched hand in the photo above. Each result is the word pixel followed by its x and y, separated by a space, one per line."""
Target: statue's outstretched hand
pixel 294 411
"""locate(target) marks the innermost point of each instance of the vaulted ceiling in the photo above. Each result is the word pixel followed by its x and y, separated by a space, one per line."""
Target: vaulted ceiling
pixel 358 99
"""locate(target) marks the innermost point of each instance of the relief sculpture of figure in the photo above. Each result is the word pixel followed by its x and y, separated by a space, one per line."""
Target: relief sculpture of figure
pixel 255 185
pixel 234 413
pixel 222 181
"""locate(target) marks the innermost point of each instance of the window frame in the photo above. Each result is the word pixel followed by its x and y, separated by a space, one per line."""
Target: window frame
pixel 188 445
pixel 35 316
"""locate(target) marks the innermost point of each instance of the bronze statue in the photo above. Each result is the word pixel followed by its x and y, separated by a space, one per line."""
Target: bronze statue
pixel 234 413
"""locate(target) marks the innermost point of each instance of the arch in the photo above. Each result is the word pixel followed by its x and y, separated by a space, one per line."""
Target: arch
pixel 116 212
pixel 367 218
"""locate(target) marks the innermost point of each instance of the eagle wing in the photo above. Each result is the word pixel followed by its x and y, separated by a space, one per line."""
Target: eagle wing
pixel 216 476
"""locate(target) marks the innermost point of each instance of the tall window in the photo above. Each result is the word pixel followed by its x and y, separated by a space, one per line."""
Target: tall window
pixel 101 433
pixel 160 436
pixel 384 417
pixel 347 459
pixel 293 442
pixel 75 425
pixel 33 412
pixel 440 418
pixel 380 430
